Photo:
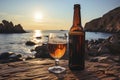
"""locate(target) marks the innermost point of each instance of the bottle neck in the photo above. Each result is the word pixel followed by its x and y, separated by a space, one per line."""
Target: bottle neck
pixel 77 16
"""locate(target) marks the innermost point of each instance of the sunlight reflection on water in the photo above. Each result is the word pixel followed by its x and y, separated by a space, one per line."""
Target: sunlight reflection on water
pixel 16 42
pixel 37 33
pixel 38 36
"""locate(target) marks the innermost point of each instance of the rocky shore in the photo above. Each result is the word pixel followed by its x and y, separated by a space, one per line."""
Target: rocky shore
pixel 102 63
pixel 93 48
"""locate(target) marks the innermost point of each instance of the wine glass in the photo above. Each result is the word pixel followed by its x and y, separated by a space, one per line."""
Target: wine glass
pixel 57 45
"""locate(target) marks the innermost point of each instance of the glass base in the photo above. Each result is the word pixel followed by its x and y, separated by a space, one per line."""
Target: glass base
pixel 56 69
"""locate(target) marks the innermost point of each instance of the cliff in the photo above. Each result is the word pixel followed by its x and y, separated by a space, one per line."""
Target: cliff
pixel 8 27
pixel 109 22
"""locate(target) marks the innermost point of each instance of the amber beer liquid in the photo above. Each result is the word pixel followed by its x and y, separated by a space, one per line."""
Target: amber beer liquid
pixel 57 50
pixel 76 42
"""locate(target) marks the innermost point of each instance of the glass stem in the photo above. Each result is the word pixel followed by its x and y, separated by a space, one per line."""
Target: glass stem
pixel 56 62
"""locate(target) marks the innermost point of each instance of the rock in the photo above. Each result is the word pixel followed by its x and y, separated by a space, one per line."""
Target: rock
pixel 40 37
pixel 112 44
pixel 15 57
pixel 42 52
pixel 6 55
pixel 30 43
pixel 18 29
pixel 103 50
pixel 100 40
pixel 109 22
pixel 94 59
pixel 98 59
pixel 8 27
pixel 92 47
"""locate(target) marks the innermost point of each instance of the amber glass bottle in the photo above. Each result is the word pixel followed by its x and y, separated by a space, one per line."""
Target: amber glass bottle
pixel 76 42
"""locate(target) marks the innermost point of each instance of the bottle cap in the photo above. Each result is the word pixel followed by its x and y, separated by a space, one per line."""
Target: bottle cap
pixel 76 5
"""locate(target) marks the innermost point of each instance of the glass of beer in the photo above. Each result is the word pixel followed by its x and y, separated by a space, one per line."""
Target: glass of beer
pixel 57 45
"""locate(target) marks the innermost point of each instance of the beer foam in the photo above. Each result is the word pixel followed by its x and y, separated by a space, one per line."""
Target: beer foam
pixel 57 41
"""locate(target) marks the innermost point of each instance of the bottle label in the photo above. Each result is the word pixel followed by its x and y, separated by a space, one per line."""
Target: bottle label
pixel 76 33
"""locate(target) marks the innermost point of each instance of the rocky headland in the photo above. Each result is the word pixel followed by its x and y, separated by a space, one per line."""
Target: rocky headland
pixel 109 22
pixel 9 27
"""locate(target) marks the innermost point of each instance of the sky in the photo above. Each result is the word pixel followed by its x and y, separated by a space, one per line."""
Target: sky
pixel 52 14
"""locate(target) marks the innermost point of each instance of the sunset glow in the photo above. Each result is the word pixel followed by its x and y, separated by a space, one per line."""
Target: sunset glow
pixel 52 14
pixel 38 16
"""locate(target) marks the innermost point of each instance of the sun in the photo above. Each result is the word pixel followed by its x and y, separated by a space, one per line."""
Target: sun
pixel 38 16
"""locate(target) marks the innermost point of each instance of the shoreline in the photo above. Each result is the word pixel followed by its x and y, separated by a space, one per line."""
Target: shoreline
pixel 100 63
pixel 93 47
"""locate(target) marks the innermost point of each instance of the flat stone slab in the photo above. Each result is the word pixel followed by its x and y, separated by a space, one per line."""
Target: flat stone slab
pixel 37 69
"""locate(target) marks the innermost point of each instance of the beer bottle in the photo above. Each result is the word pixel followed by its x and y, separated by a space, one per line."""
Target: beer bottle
pixel 76 42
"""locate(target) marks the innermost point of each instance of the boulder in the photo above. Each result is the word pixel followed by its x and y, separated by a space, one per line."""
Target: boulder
pixel 6 55
pixel 42 51
pixel 30 43
pixel 15 57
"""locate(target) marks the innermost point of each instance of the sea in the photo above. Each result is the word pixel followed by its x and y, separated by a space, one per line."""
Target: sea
pixel 16 42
